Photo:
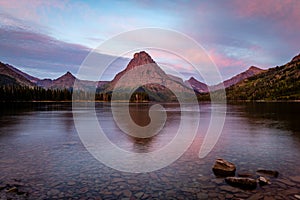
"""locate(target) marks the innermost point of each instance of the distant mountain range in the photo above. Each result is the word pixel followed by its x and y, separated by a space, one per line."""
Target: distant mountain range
pixel 254 83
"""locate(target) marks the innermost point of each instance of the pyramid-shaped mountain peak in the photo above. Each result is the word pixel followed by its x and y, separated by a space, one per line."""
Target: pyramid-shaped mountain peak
pixel 192 79
pixel 68 75
pixel 140 58
pixel 254 68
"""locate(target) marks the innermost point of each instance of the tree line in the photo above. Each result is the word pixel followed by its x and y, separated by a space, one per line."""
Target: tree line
pixel 25 93
pixel 11 93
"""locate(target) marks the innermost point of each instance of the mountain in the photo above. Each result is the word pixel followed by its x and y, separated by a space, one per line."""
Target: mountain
pixel 67 81
pixel 139 59
pixel 242 76
pixel 153 80
pixel 198 86
pixel 251 71
pixel 10 75
pixel 279 83
pixel 14 76
pixel 44 83
pixel 27 76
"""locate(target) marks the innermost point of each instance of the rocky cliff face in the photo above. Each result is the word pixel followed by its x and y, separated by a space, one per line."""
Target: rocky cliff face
pixel 140 60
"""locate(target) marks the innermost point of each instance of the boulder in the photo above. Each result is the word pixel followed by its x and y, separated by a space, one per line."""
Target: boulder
pixel 267 172
pixel 263 181
pixel 223 168
pixel 240 182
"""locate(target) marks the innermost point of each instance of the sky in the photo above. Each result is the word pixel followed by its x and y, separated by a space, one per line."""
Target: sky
pixel 48 38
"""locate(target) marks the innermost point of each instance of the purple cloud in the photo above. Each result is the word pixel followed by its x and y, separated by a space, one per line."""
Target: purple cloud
pixel 30 49
pixel 46 57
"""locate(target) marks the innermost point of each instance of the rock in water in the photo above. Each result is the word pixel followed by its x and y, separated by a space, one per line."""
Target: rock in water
pixel 263 181
pixel 243 183
pixel 223 168
pixel 268 172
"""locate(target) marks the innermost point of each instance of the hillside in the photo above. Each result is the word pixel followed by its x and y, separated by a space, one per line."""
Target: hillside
pixel 197 86
pixel 15 75
pixel 7 80
pixel 252 71
pixel 279 83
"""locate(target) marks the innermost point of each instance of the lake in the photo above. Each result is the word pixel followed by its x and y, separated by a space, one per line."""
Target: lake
pixel 43 156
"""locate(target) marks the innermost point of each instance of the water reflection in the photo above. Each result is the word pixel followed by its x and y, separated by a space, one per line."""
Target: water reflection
pixel 140 113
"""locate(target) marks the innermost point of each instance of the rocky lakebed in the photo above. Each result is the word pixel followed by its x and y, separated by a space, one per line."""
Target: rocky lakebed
pixel 224 181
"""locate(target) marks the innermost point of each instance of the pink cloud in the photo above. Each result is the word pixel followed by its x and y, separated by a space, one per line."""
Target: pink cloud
pixel 284 14
pixel 29 10
pixel 223 61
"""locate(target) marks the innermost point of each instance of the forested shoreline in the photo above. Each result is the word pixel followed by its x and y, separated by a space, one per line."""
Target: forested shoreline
pixel 17 93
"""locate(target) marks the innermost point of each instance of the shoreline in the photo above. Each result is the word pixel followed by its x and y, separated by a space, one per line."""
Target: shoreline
pixel 97 101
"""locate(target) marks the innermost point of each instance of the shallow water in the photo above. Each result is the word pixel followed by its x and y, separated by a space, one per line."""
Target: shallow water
pixel 40 147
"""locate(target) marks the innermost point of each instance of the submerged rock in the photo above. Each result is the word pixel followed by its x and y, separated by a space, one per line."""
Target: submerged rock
pixel 245 174
pixel 295 178
pixel 266 172
pixel 240 182
pixel 12 189
pixel 223 168
pixel 2 186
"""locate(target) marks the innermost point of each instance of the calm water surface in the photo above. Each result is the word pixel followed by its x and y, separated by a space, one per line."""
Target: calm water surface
pixel 40 147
